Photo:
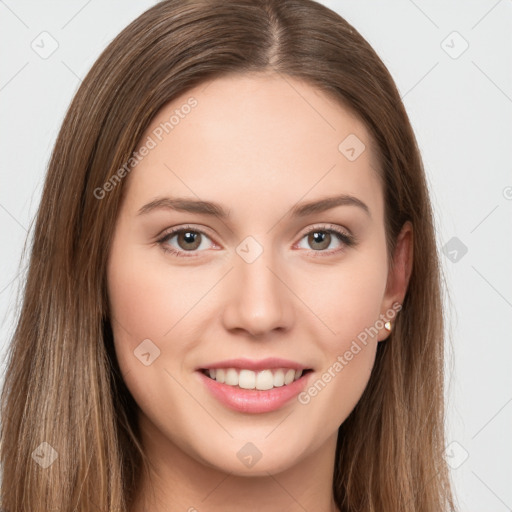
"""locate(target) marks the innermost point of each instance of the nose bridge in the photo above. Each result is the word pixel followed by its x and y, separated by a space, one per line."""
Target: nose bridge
pixel 258 301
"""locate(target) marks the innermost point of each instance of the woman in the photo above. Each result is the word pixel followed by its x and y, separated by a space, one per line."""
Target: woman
pixel 293 359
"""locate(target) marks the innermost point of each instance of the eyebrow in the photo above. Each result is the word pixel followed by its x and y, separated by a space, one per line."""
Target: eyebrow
pixel 183 204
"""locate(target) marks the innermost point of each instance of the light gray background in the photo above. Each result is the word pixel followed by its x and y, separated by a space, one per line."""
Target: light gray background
pixel 460 105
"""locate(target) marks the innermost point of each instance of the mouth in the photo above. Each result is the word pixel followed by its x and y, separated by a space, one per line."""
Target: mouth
pixel 267 386
pixel 262 380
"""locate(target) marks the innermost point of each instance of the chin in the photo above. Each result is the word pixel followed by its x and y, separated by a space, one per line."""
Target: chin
pixel 252 458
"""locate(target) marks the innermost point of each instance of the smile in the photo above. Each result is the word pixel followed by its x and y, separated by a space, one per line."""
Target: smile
pixel 251 386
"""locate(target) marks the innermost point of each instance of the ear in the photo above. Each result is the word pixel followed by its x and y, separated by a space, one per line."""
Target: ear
pixel 398 276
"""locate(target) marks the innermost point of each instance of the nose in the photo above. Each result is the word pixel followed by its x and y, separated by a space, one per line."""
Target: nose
pixel 258 299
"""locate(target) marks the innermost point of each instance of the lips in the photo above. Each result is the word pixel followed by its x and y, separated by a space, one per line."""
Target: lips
pixel 251 364
pixel 254 386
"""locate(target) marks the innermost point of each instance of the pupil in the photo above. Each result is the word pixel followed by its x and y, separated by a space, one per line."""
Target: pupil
pixel 189 238
pixel 320 237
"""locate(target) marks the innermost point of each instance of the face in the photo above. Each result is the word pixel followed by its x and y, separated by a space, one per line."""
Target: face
pixel 284 302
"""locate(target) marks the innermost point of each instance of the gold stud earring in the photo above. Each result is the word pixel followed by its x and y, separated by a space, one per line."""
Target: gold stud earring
pixel 387 325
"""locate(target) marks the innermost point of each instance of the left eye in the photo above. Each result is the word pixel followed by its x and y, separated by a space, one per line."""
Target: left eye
pixel 323 238
pixel 191 240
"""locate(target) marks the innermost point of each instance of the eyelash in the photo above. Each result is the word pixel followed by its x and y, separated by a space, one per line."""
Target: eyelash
pixel 346 239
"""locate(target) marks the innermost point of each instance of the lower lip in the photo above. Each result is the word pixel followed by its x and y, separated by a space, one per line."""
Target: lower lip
pixel 254 400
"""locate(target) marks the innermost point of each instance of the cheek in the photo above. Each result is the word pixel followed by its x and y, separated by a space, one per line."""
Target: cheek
pixel 143 308
pixel 348 299
pixel 149 299
pixel 149 304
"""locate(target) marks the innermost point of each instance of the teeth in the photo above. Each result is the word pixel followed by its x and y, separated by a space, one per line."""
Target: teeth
pixel 262 380
pixel 279 379
pixel 246 379
pixel 220 375
pixel 231 377
pixel 288 378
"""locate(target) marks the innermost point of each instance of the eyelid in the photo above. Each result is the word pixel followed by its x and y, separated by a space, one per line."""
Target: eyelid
pixel 326 227
pixel 182 227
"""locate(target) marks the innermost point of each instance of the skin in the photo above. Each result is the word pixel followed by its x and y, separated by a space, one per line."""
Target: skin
pixel 256 144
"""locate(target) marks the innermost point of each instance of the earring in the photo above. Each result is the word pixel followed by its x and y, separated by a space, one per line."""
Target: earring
pixel 387 326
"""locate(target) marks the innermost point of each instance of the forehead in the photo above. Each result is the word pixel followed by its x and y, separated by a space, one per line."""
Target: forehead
pixel 256 139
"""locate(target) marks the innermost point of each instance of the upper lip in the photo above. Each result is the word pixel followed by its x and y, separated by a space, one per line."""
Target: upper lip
pixel 255 365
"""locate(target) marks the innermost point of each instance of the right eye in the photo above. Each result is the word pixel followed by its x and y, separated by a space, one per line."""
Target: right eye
pixel 185 236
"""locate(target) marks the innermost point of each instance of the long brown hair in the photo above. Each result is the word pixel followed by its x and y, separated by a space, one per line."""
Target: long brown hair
pixel 63 385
